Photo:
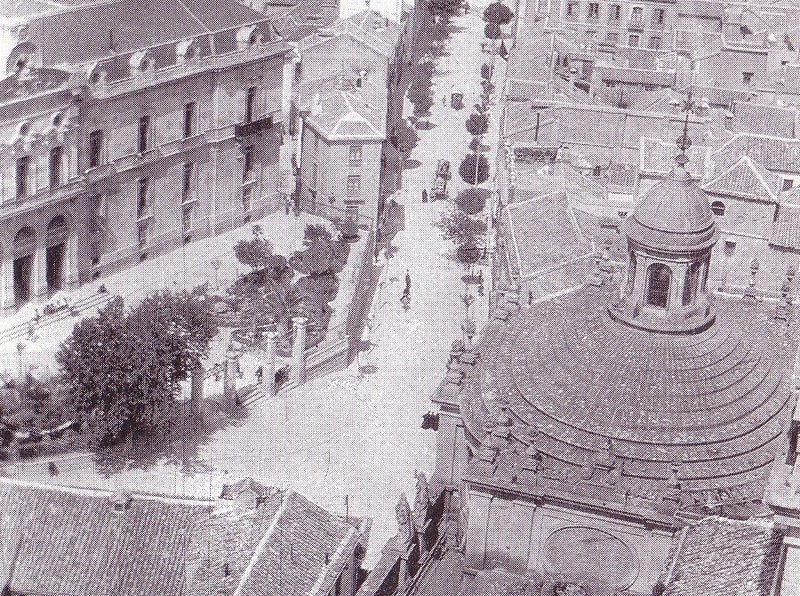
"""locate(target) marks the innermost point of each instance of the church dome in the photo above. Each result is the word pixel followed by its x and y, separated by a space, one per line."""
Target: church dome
pixel 674 215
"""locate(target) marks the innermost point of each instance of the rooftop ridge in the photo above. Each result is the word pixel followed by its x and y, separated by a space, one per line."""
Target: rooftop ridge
pixel 104 492
pixel 336 556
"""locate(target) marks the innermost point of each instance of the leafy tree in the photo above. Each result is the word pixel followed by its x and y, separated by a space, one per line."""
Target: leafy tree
pixel 256 252
pixel 468 253
pixel 407 139
pixel 499 13
pixel 477 124
pixel 460 227
pixel 445 6
pixel 472 200
pixel 283 302
pixel 122 369
pixel 474 169
pixel 423 106
pixel 492 31
pixel 320 258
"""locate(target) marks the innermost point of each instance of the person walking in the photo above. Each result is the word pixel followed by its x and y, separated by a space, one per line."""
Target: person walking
pixel 408 282
pixel 424 195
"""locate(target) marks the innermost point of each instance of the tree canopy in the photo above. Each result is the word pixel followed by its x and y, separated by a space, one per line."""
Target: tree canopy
pixel 472 200
pixel 474 169
pixel 122 367
pixel 499 13
pixel 460 227
pixel 477 124
pixel 256 252
pixel 492 31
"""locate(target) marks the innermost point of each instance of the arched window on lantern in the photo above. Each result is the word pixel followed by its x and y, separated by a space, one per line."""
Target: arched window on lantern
pixel 631 273
pixel 659 277
pixel 692 282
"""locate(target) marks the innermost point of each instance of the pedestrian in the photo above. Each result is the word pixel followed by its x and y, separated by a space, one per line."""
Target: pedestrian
pixel 288 205
pixel 444 100
pixel 530 297
pixel 408 282
pixel 480 277
pixel 424 195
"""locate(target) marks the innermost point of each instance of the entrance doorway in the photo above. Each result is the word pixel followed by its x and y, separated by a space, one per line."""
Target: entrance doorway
pixel 24 250
pixel 56 242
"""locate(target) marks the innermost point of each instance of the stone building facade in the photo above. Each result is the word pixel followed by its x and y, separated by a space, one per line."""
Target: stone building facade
pixel 168 134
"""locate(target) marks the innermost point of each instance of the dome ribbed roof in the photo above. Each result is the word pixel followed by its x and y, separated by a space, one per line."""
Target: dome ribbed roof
pixel 674 214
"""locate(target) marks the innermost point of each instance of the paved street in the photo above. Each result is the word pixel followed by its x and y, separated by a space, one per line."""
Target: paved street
pixel 357 432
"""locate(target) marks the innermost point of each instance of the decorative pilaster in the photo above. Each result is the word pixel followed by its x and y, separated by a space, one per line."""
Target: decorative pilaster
pixel 268 376
pixel 7 272
pixel 39 274
pixel 299 350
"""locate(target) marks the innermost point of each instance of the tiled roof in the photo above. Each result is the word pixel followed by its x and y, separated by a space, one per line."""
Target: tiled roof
pixel 341 115
pixel 85 34
pixel 764 119
pixel 722 556
pixel 786 229
pixel 775 154
pixel 634 76
pixel 371 28
pixel 308 16
pixel 747 180
pixel 657 157
pixel 73 541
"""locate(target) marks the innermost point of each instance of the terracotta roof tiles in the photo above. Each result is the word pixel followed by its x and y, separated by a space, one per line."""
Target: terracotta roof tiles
pixel 746 179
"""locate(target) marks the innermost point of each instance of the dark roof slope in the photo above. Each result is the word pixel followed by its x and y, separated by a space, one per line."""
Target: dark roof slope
pixel 723 556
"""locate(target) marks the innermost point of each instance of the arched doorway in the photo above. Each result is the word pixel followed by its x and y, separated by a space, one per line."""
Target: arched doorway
pixel 56 248
pixel 24 251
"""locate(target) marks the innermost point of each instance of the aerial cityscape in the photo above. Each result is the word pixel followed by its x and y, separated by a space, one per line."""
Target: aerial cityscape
pixel 399 297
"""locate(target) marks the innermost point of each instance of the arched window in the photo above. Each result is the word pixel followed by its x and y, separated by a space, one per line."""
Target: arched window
pixel 691 283
pixel 24 243
pixel 57 231
pixel 631 272
pixel 659 277
pixel 718 208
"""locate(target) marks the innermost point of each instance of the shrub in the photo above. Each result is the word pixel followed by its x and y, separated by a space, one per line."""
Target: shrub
pixel 472 200
pixel 474 169
pixel 314 232
pixel 499 13
pixel 256 252
pixel 477 124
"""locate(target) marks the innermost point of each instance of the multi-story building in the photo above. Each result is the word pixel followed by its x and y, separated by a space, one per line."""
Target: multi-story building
pixel 174 134
pixel 647 24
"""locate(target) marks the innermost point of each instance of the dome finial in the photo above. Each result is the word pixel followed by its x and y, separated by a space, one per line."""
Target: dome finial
pixel 683 141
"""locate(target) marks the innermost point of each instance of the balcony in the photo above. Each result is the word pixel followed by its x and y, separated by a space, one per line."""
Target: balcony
pixel 98 173
pixel 254 127
pixel 635 24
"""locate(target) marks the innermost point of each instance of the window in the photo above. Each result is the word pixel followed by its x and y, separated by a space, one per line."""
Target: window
pixel 188 119
pixel 572 8
pixel 316 144
pixel 142 206
pixel 250 105
pixel 614 12
pixel 95 148
pixel 298 71
pixel 691 283
pixel 22 177
pixel 594 10
pixel 337 589
pixel 144 133
pixel 718 208
pixel 56 159
pixel 658 16
pixel 144 233
pixel 355 156
pixel 747 77
pixel 631 273
pixel 612 38
pixel 353 186
pixel 247 195
pixel 659 277
pixel 314 175
pixel 97 214
pixel 187 217
pixel 787 183
pixel 188 174
pixel 633 41
pixel 655 43
pixel 247 169
pixel 636 13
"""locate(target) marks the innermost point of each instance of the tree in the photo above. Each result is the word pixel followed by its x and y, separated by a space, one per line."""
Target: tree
pixel 122 369
pixel 407 139
pixel 256 252
pixel 423 105
pixel 492 31
pixel 472 200
pixel 314 232
pixel 477 124
pixel 499 13
pixel 474 169
pixel 445 6
pixel 320 258
pixel 460 227
pixel 283 302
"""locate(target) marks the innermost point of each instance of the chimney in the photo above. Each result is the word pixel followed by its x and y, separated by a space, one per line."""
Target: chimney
pixel 120 500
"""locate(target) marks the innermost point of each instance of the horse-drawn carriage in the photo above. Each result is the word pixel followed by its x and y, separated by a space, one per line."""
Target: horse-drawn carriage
pixel 439 190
